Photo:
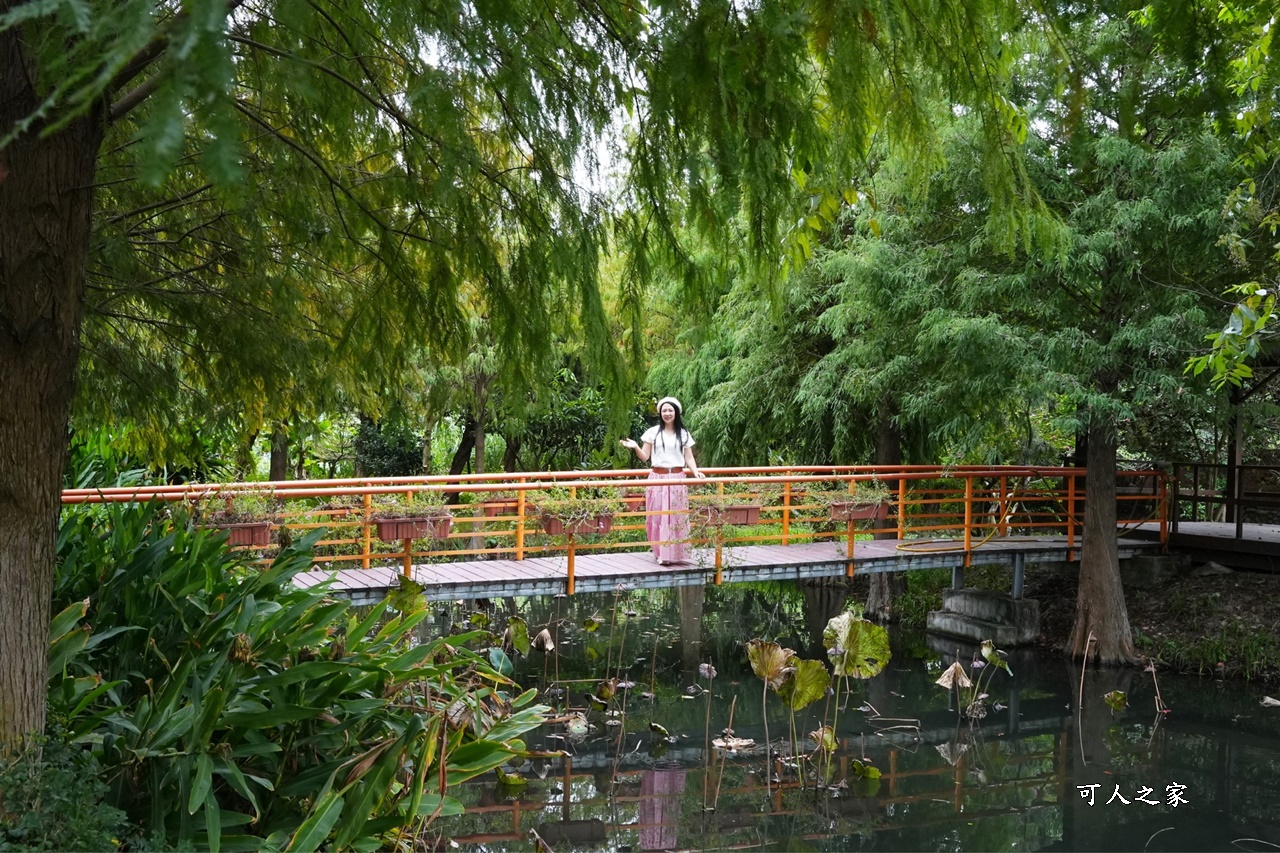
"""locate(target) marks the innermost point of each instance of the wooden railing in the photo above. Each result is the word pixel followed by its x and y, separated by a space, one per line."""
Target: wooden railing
pixel 500 516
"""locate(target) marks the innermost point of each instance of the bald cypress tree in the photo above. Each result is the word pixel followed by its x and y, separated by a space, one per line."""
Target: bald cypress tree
pixel 235 180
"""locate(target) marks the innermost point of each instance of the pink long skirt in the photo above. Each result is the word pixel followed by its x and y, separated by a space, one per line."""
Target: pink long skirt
pixel 667 524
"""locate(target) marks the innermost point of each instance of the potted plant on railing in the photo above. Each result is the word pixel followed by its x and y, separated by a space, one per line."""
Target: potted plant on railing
pixel 869 500
pixel 245 516
pixel 499 503
pixel 575 514
pixel 634 499
pixel 739 505
pixel 398 519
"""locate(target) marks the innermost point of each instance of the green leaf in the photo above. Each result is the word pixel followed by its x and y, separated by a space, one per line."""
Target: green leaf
pixel 856 647
pixel 768 661
pixel 67 619
pixel 212 821
pixel 500 662
pixel 200 785
pixel 448 806
pixel 316 828
pixel 518 634
pixel 807 683
pixel 1117 700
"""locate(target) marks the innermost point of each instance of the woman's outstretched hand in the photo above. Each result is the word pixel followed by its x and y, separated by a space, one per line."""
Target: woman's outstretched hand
pixel 629 443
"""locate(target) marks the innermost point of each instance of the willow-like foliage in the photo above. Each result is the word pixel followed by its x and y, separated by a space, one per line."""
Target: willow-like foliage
pixel 297 195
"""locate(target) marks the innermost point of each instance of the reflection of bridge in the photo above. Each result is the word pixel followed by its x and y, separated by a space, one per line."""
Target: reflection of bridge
pixel 1011 780
pixel 488 535
pixel 593 796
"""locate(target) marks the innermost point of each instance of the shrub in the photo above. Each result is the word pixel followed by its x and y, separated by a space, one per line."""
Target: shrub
pixel 52 799
pixel 229 709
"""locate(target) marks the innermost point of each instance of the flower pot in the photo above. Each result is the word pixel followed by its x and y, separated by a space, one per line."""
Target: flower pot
pixel 501 506
pixel 247 533
pixel 557 526
pixel 735 514
pixel 634 502
pixel 855 511
pixel 416 527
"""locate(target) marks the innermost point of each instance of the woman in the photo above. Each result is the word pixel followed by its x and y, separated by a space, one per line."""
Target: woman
pixel 669 448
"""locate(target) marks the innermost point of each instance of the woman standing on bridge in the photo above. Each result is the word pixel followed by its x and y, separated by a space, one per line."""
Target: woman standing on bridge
pixel 668 448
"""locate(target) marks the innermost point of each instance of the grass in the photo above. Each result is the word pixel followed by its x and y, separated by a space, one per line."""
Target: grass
pixel 1235 650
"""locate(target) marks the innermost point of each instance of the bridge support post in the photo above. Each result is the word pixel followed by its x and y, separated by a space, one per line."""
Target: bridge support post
pixel 521 503
pixel 1019 565
pixel 407 570
pixel 366 531
pixel 569 589
pixel 957 577
pixel 849 551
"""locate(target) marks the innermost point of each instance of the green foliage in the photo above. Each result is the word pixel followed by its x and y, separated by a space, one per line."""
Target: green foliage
pixel 388 449
pixel 52 798
pixel 808 682
pixel 856 646
pixel 228 708
pixel 579 505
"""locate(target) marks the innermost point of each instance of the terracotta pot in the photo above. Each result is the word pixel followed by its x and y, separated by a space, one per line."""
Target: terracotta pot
pixel 635 502
pixel 854 511
pixel 735 514
pixel 416 527
pixel 254 533
pixel 596 524
pixel 501 506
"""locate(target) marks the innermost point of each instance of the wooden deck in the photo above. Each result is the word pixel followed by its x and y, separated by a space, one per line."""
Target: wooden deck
pixel 606 572
pixel 1257 548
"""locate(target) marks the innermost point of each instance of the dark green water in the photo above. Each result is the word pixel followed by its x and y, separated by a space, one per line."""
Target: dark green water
pixel 1205 776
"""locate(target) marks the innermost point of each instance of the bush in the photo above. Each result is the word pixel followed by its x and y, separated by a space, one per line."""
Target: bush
pixel 52 799
pixel 229 709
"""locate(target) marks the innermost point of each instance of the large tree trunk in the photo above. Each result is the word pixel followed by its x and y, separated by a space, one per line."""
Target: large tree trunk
pixel 886 586
pixel 45 205
pixel 1100 608
pixel 279 454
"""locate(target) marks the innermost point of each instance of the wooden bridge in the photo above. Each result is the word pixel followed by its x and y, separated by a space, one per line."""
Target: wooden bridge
pixel 477 536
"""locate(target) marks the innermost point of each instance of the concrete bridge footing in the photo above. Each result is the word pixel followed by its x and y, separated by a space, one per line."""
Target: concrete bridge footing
pixel 976 615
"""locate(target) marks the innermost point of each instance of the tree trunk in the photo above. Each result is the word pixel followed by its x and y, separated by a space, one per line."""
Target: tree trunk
pixel 511 456
pixel 46 202
pixel 480 427
pixel 1100 607
pixel 463 454
pixel 428 447
pixel 279 454
pixel 886 586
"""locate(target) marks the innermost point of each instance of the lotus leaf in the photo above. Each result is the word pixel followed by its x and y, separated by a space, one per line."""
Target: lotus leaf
pixel 856 647
pixel 769 661
pixel 955 676
pixel 808 683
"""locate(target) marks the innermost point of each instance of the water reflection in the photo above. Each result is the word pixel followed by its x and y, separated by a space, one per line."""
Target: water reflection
pixel 1031 775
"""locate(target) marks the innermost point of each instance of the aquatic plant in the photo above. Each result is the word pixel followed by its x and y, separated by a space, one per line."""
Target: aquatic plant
pixel 973 698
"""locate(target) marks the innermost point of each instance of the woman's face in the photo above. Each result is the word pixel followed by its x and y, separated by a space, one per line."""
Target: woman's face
pixel 667 413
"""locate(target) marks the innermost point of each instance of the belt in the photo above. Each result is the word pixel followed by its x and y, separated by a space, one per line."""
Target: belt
pixel 655 469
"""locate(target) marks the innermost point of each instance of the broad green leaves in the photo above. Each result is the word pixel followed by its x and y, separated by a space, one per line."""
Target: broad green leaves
pixel 855 646
pixel 258 704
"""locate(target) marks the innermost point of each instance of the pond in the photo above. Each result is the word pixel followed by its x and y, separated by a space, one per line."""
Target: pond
pixel 1032 774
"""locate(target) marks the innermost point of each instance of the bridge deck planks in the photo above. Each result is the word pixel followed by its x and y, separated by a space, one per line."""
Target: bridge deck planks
pixel 597 571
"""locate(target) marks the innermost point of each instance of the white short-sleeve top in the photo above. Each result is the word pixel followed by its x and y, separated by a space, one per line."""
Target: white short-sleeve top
pixel 666 448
